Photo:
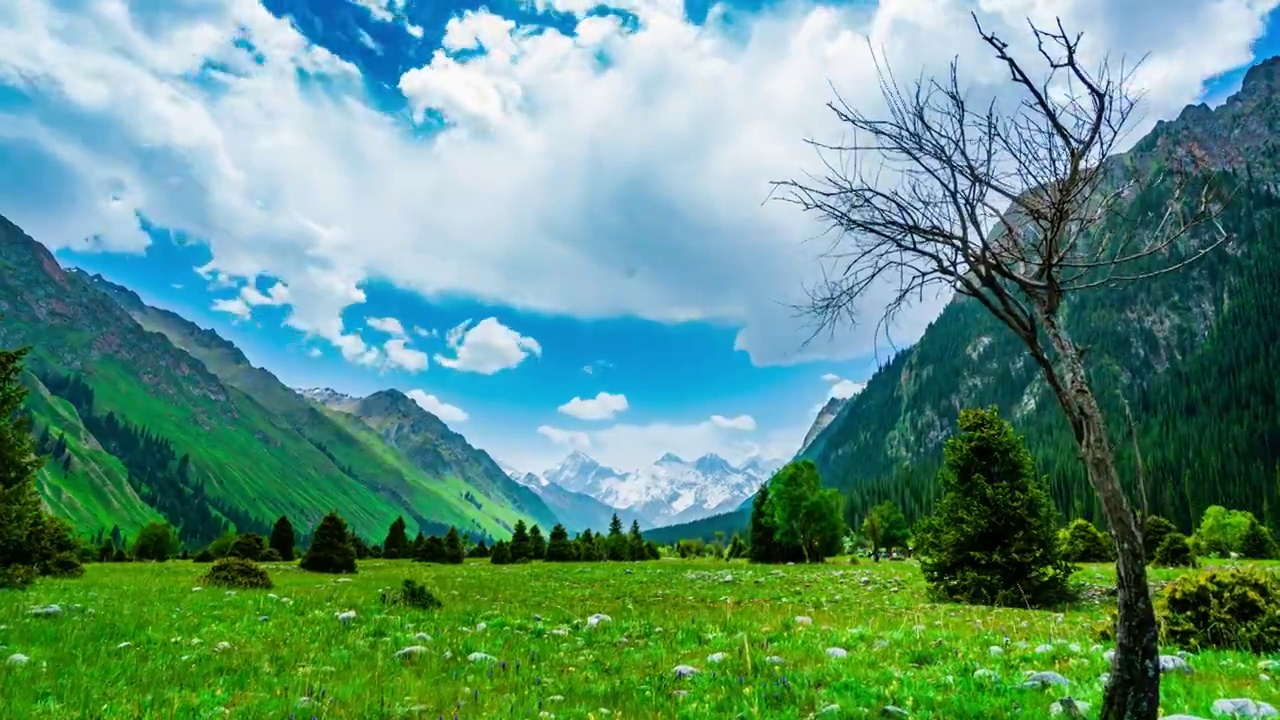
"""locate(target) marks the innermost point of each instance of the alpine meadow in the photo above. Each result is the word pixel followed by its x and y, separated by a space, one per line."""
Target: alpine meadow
pixel 645 359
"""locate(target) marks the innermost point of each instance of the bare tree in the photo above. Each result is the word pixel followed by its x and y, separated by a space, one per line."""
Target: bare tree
pixel 1018 210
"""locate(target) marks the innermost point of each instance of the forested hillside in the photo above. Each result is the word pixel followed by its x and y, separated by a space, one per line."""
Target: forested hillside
pixel 141 414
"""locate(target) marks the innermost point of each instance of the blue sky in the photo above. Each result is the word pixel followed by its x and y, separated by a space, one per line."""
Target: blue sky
pixel 584 184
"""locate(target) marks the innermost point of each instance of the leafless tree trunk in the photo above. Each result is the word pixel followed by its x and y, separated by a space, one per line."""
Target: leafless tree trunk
pixel 1018 210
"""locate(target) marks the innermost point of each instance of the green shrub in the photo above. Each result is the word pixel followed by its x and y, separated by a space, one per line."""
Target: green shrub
pixel 271 555
pixel 204 556
pixel 1083 542
pixel 501 554
pixel 1154 531
pixel 247 546
pixel 411 594
pixel 1175 551
pixel 234 572
pixel 1257 543
pixel 1233 609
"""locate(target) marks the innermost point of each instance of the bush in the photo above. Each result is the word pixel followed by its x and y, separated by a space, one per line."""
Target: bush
pixel 1234 609
pixel 271 555
pixel 411 594
pixel 1154 531
pixel 1082 542
pixel 247 546
pixel 993 538
pixel 331 548
pixel 501 554
pixel 1257 543
pixel 204 556
pixel 1175 551
pixel 234 572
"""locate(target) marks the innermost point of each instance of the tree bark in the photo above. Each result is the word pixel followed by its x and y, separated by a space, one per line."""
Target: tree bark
pixel 1133 692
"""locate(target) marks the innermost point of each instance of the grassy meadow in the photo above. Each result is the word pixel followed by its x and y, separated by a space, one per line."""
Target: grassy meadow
pixel 142 641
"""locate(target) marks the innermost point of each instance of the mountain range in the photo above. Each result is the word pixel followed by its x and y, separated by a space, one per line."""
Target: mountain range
pixel 671 490
pixel 1190 355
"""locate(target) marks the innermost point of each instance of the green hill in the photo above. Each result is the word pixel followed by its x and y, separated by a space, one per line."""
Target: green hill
pixel 198 433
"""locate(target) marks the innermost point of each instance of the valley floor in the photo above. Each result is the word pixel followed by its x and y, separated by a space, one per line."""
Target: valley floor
pixel 143 641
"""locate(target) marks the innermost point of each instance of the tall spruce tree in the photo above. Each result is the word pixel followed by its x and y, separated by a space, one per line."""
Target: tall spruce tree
pixel 331 548
pixel 396 544
pixel 501 554
pixel 635 542
pixel 993 538
pixel 519 545
pixel 31 543
pixel 283 539
pixel 537 544
pixel 764 543
pixel 454 553
pixel 616 548
pixel 559 547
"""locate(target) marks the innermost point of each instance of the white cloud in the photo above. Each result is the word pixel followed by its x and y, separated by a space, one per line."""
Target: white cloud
pixel 745 423
pixel 842 388
pixel 678 135
pixel 423 332
pixel 626 447
pixel 234 306
pixel 400 355
pixel 602 407
pixel 487 348
pixel 434 405
pixel 388 325
pixel 568 438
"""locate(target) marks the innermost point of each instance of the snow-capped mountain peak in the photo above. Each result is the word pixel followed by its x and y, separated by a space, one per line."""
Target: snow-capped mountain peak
pixel 671 490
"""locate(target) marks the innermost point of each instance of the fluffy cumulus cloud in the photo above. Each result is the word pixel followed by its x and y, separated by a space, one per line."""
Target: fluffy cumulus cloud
pixel 605 172
pixel 487 347
pixel 601 407
pixel 439 408
pixel 746 423
pixel 388 325
pixel 842 388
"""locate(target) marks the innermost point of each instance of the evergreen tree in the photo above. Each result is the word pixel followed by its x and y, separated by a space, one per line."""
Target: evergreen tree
pixel 1257 543
pixel 283 539
pixel 763 548
pixel 331 548
pixel 397 543
pixel 27 537
pixel 1082 542
pixel 737 548
pixel 559 547
pixel 992 539
pixel 635 542
pixel 537 544
pixel 501 554
pixel 480 550
pixel 435 550
pixel 617 548
pixel 419 548
pixel 1154 530
pixel 454 553
pixel 155 542
pixel 519 546
pixel 359 545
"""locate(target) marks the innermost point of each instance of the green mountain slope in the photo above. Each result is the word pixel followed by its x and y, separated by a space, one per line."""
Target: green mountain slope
pixel 1194 353
pixel 434 494
pixel 201 448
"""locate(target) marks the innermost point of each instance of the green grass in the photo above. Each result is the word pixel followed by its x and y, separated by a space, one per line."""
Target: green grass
pixel 902 650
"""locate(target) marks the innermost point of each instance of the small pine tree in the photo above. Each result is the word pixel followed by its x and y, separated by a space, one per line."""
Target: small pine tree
pixel 1257 543
pixel 501 554
pixel 992 539
pixel 454 553
pixel 763 548
pixel 359 545
pixel 331 548
pixel 419 549
pixel 1154 530
pixel 1085 543
pixel 283 538
pixel 559 547
pixel 247 546
pixel 519 546
pixel 537 544
pixel 617 547
pixel 397 543
pixel 737 548
pixel 481 550
pixel 635 542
